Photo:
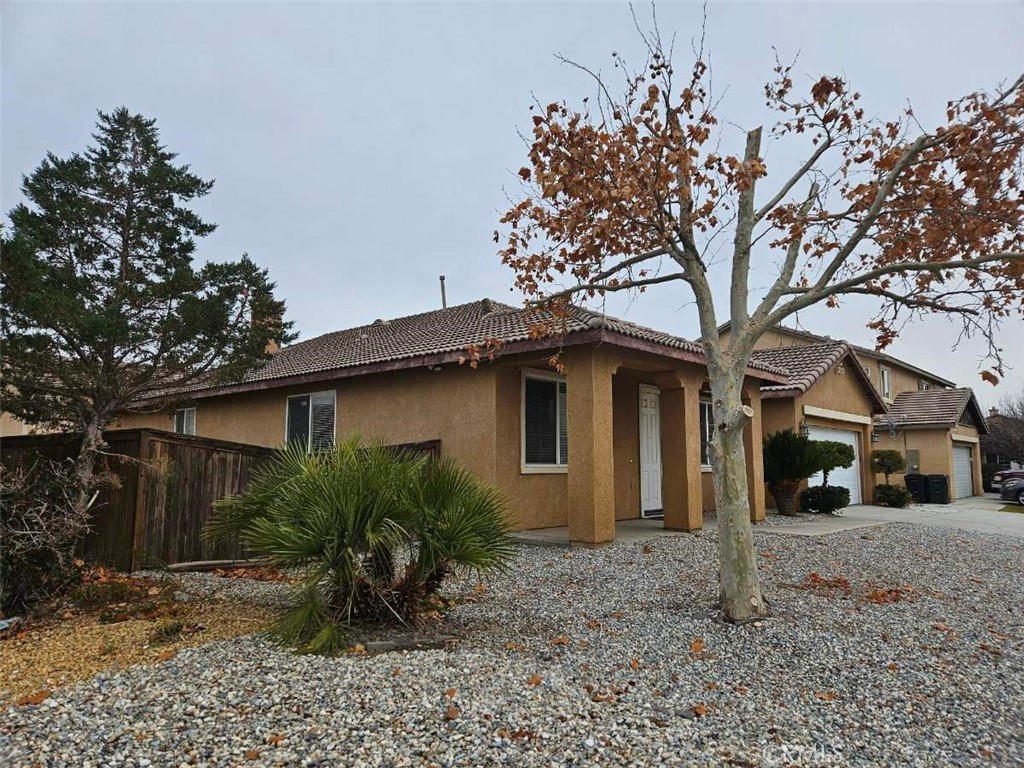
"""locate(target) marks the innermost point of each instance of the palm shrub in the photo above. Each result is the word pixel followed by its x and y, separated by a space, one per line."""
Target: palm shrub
pixel 789 459
pixel 374 532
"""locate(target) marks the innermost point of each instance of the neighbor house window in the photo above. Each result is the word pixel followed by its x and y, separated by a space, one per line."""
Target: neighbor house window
pixel 707 425
pixel 545 430
pixel 185 421
pixel 923 386
pixel 886 383
pixel 310 420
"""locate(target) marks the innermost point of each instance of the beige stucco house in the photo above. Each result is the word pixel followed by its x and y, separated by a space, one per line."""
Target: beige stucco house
pixel 620 434
pixel 871 400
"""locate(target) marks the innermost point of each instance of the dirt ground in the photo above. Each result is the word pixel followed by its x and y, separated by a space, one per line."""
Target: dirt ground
pixel 72 643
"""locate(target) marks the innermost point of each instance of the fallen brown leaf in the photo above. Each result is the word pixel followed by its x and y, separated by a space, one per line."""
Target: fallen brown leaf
pixel 166 655
pixel 697 646
pixel 252 754
pixel 634 664
pixel 699 710
pixel 534 680
pixel 827 695
pixel 451 713
pixel 36 698
pixel 559 640
pixel 276 739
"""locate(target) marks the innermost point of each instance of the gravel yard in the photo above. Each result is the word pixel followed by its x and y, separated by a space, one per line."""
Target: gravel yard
pixel 905 648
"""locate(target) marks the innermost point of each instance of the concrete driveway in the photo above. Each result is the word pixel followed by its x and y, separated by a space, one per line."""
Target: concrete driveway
pixel 978 513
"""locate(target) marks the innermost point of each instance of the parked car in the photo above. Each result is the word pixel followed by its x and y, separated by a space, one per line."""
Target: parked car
pixel 1012 490
pixel 1003 475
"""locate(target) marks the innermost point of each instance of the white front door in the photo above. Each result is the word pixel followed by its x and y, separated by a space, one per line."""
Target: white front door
pixel 848 478
pixel 963 476
pixel 650 449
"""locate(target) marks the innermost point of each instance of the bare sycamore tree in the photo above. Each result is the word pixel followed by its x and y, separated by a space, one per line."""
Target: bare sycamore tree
pixel 637 188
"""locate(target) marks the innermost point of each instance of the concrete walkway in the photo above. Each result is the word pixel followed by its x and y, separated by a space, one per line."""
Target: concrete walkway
pixel 980 513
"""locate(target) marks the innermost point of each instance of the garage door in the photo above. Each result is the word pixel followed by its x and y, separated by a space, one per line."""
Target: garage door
pixel 963 484
pixel 848 478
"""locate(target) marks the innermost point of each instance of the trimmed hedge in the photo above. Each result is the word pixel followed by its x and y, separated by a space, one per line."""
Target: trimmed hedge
pixel 892 496
pixel 824 499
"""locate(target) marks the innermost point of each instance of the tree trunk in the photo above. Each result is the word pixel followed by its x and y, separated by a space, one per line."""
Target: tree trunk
pixel 740 587
pixel 85 465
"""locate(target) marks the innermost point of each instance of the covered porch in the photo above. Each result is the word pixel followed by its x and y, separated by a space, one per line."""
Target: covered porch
pixel 634 436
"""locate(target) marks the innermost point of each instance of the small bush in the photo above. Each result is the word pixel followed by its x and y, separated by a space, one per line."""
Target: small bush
pixel 888 462
pixel 892 496
pixel 824 499
pixel 789 459
pixel 167 632
pixel 39 530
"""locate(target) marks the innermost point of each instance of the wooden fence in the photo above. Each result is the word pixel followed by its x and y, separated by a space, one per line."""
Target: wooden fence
pixel 168 483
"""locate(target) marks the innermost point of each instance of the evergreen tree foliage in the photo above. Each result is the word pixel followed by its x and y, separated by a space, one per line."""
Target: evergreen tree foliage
pixel 103 305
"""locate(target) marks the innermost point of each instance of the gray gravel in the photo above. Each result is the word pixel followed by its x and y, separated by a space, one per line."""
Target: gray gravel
pixel 934 679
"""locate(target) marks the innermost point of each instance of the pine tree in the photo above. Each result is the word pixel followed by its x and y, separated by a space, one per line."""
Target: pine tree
pixel 103 306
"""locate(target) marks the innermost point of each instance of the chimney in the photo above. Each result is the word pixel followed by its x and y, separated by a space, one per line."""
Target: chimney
pixel 993 412
pixel 444 299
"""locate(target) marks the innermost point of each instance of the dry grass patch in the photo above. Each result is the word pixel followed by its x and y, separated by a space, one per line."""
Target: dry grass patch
pixel 48 654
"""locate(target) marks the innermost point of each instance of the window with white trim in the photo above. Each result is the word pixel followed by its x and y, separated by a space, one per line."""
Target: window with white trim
pixel 707 433
pixel 923 386
pixel 185 421
pixel 545 417
pixel 886 376
pixel 310 420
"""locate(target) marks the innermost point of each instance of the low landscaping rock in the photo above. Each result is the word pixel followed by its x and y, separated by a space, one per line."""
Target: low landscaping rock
pixel 608 657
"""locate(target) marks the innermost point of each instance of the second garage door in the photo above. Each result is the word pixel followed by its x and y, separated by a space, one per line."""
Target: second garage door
pixel 963 484
pixel 848 478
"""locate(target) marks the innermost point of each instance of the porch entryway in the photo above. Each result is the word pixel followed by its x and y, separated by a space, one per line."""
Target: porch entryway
pixel 650 451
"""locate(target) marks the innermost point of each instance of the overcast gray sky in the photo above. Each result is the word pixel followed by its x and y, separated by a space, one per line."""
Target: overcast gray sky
pixel 360 150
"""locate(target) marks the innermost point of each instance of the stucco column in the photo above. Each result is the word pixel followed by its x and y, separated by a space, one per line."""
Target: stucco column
pixel 752 447
pixel 682 500
pixel 591 461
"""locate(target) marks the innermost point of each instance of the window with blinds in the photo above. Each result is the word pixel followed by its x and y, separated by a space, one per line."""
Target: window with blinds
pixel 185 421
pixel 310 420
pixel 545 419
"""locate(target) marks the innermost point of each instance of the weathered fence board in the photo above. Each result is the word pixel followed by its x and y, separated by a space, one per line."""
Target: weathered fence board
pixel 167 486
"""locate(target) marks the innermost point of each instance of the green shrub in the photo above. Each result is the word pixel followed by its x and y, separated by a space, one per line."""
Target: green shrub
pixel 892 496
pixel 888 462
pixel 167 632
pixel 374 532
pixel 824 499
pixel 832 454
pixel 789 459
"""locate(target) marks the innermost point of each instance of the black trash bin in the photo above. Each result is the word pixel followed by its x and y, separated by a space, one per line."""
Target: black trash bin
pixel 938 489
pixel 918 486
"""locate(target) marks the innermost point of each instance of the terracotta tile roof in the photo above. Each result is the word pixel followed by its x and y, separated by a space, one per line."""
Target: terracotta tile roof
pixel 862 351
pixel 933 407
pixel 446 331
pixel 807 364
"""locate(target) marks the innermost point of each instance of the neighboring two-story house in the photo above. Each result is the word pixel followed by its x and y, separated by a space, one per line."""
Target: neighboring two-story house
pixel 934 424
